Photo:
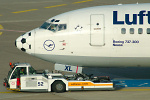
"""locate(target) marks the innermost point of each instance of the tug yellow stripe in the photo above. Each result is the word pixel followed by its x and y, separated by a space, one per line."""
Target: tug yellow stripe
pixel 88 84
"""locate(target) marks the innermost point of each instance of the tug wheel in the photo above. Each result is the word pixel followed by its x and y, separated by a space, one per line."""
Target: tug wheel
pixel 58 87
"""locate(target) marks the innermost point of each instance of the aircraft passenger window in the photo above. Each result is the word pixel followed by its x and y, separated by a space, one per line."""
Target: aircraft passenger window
pixel 148 30
pixel 123 31
pixel 45 25
pixel 131 30
pixel 53 27
pixel 140 31
pixel 62 27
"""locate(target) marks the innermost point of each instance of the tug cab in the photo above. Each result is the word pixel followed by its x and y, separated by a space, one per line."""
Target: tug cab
pixel 22 69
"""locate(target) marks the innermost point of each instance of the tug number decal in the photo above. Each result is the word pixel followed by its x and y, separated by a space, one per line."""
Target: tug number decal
pixel 40 84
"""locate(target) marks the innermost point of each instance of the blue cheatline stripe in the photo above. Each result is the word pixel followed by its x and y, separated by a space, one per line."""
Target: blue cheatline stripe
pixel 132 82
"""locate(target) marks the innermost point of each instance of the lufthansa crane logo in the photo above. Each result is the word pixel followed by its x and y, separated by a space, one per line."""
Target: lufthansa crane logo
pixel 49 45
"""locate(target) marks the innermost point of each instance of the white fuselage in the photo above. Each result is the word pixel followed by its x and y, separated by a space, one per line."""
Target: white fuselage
pixel 101 36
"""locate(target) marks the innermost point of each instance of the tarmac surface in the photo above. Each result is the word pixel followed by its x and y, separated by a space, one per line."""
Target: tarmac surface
pixel 20 16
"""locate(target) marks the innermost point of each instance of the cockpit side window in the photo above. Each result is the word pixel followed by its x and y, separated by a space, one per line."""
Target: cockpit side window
pixel 57 27
pixel 45 25
pixel 62 27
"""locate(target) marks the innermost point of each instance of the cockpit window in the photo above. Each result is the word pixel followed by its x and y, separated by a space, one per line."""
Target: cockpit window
pixel 57 27
pixel 53 27
pixel 62 27
pixel 45 25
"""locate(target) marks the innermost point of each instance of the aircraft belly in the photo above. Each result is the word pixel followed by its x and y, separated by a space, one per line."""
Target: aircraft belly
pixel 88 61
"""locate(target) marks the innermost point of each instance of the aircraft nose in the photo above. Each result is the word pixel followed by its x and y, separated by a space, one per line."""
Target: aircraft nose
pixel 26 42
pixel 18 43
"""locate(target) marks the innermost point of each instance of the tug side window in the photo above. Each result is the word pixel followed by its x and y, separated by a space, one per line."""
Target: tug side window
pixel 31 70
